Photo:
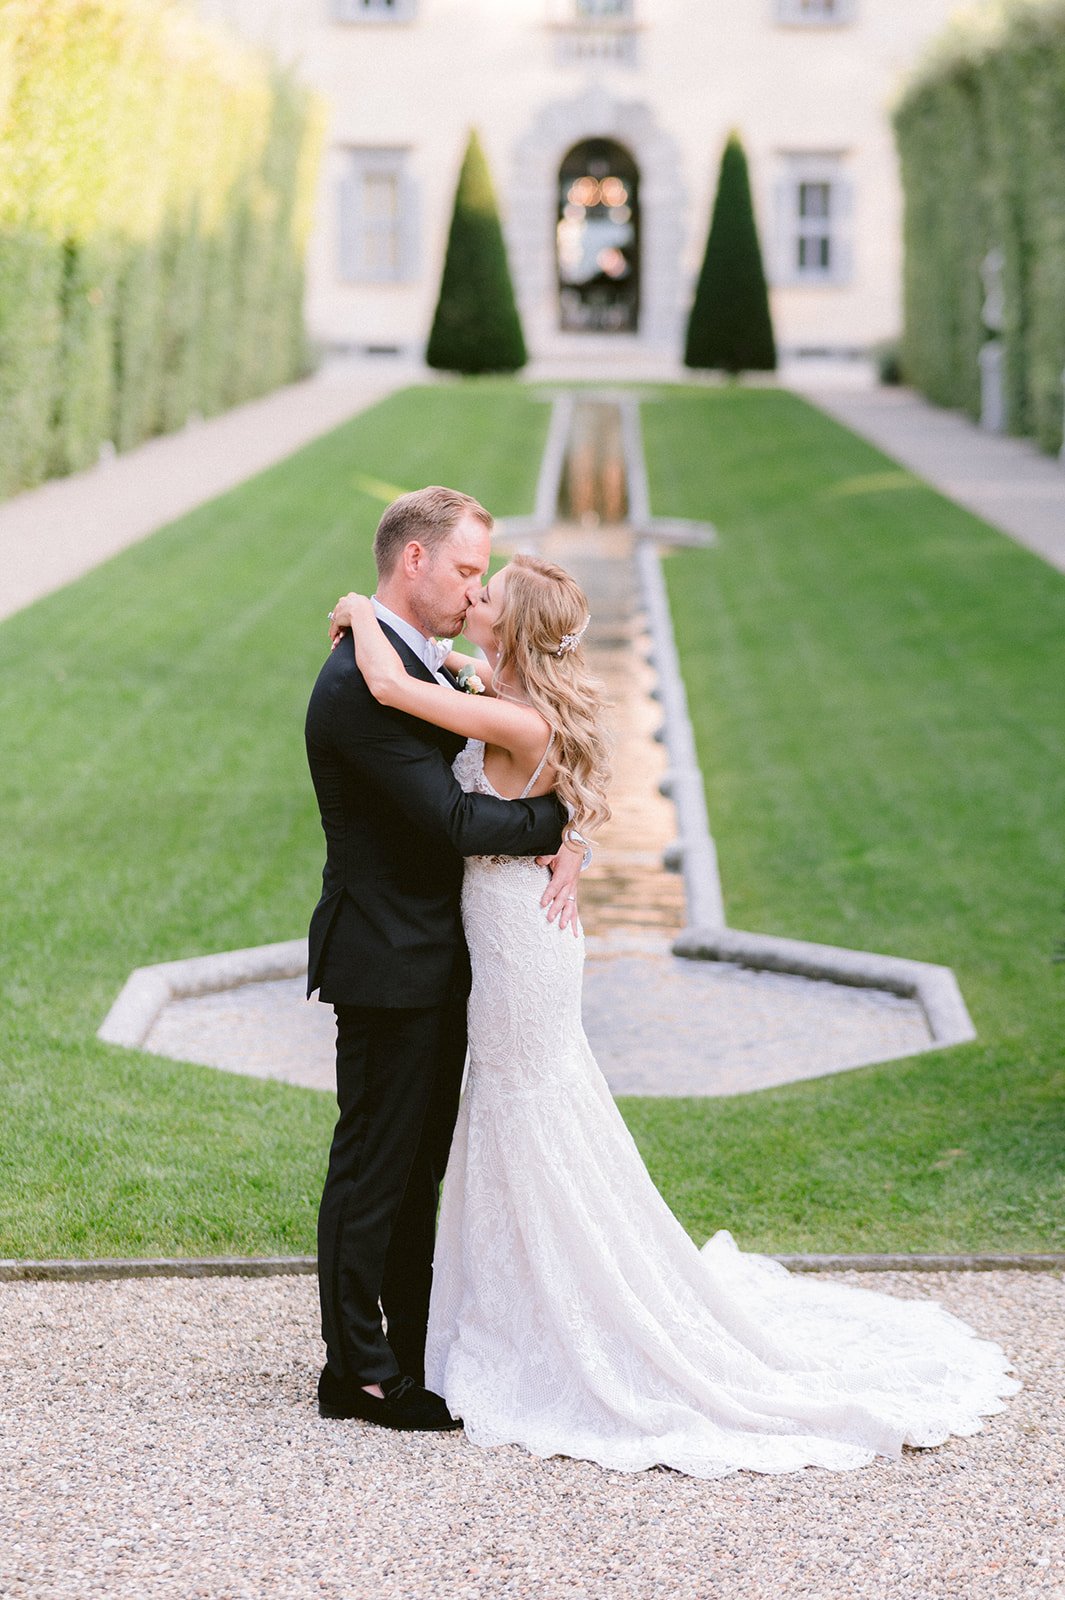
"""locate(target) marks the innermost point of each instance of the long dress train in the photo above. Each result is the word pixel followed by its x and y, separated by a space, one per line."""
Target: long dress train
pixel 572 1314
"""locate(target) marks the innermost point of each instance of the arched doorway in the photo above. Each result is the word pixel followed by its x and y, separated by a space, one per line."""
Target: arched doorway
pixel 598 239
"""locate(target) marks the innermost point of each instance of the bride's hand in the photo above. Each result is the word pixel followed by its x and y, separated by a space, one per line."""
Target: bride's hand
pixel 560 897
pixel 340 618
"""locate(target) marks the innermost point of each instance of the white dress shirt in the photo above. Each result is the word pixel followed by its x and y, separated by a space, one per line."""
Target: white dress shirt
pixel 423 648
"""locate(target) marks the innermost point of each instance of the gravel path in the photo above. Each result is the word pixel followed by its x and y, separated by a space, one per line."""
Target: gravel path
pixel 160 1441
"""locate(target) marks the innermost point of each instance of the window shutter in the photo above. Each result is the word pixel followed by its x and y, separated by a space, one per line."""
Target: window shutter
pixel 784 230
pixel 409 229
pixel 813 15
pixel 349 204
pixel 372 10
pixel 843 230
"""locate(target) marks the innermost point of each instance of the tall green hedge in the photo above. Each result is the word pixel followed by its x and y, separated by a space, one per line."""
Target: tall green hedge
pixel 729 326
pixel 156 189
pixel 476 325
pixel 981 137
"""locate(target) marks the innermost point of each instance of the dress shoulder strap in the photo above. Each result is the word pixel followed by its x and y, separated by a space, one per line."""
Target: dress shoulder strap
pixel 540 767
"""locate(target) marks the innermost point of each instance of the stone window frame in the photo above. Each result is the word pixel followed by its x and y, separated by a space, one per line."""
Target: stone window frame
pixel 594 37
pixel 600 11
pixel 814 13
pixel 553 129
pixel 373 11
pixel 356 262
pixel 798 169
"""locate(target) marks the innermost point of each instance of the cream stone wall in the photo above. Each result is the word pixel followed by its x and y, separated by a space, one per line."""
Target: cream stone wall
pixel 701 68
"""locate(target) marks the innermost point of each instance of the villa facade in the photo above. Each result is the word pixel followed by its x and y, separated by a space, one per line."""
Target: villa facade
pixel 603 122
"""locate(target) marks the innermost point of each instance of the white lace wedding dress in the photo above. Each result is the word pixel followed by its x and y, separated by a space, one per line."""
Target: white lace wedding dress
pixel 572 1314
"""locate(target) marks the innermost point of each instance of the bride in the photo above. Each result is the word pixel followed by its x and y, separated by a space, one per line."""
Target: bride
pixel 571 1313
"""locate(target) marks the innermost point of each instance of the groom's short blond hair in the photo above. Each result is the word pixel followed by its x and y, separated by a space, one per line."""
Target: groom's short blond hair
pixel 427 515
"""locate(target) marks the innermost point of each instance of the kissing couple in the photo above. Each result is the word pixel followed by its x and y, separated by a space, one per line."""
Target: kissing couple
pixel 559 1305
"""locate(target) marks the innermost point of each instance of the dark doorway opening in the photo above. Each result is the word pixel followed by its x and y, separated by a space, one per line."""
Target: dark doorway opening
pixel 598 239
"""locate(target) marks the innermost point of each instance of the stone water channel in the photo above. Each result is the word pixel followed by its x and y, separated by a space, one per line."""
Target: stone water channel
pixel 630 892
pixel 659 1024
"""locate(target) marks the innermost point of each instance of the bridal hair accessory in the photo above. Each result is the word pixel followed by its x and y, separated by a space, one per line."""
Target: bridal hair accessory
pixel 570 641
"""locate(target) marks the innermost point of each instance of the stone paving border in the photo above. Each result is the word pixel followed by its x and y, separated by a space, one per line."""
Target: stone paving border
pixel 695 853
pixel 1031 1261
pixel 934 988
pixel 148 990
pixel 79 1271
pixel 12 1271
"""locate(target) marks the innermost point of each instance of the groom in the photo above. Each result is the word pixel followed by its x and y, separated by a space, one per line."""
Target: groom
pixel 386 950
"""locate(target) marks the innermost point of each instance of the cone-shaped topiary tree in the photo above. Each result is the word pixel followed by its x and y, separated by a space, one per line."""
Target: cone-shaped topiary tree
pixel 476 327
pixel 730 325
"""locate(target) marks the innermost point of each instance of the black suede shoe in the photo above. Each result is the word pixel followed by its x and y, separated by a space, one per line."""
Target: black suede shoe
pixel 406 1405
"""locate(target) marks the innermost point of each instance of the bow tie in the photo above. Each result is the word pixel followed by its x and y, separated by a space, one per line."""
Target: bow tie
pixel 436 653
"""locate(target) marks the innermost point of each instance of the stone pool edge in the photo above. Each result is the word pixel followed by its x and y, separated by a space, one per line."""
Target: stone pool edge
pixel 89 1271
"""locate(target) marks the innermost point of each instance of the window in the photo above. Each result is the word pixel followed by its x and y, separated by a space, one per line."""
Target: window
pixel 823 12
pixel 373 10
pixel 814 230
pixel 378 223
pixel 598 245
pixel 600 10
pixel 813 210
pixel 590 32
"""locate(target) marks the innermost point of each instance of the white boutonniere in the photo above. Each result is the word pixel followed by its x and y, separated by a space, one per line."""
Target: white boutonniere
pixel 469 679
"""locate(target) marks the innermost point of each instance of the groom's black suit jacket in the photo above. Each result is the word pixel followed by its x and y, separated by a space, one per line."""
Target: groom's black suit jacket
pixel 387 930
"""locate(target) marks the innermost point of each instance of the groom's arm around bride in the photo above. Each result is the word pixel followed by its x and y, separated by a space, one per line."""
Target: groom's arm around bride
pixel 397 825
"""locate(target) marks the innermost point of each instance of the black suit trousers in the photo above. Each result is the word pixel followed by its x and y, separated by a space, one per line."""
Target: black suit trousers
pixel 398 1078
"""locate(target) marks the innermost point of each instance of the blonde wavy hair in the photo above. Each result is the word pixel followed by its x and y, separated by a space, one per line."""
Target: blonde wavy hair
pixel 542 605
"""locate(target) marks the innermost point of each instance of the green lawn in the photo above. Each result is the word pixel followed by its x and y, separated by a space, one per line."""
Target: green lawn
pixel 876 684
pixel 155 804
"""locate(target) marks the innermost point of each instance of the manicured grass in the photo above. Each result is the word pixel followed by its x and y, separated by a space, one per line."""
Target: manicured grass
pixel 877 684
pixel 156 804
pixel 875 680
